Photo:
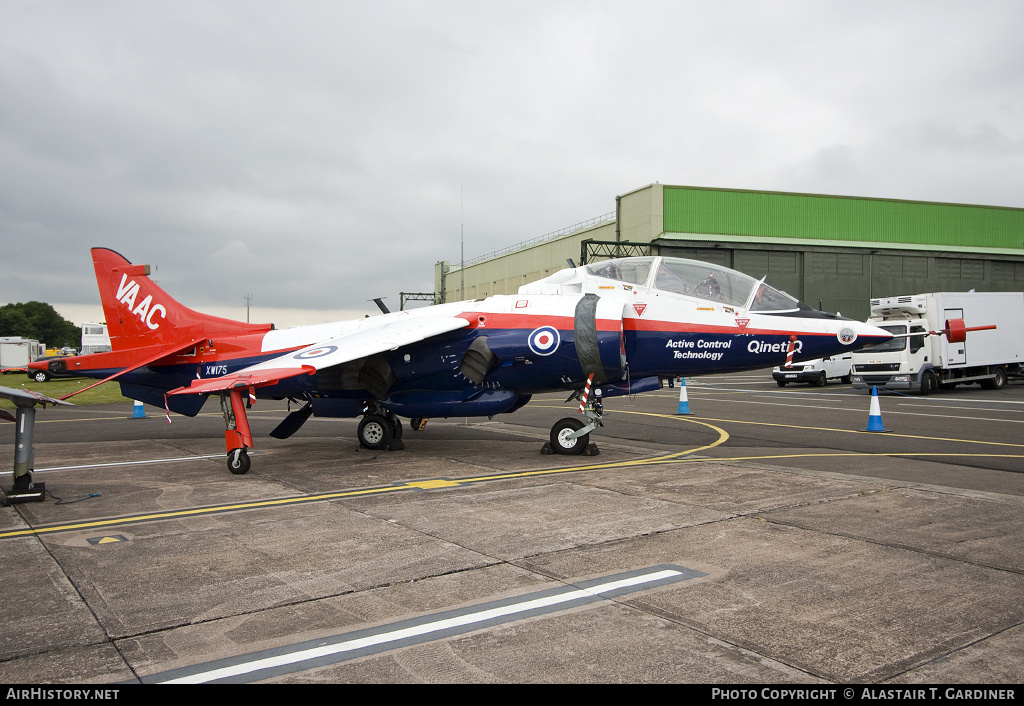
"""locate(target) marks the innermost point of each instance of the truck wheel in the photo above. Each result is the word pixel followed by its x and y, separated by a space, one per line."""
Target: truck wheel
pixel 820 382
pixel 780 383
pixel 998 381
pixel 929 383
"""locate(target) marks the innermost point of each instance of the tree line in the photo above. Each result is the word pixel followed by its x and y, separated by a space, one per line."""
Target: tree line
pixel 41 322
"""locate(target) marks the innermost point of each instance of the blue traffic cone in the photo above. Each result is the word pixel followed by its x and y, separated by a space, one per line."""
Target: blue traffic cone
pixel 875 414
pixel 684 404
pixel 138 412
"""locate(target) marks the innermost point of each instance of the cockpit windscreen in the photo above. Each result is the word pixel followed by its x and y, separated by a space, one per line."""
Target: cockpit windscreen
pixel 720 284
pixel 631 270
pixel 692 278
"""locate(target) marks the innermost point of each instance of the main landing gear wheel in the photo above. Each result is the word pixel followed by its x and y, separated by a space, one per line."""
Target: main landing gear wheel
pixel 375 431
pixel 238 461
pixel 560 441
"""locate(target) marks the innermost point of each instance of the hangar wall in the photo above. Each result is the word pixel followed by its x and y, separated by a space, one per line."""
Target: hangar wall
pixel 834 252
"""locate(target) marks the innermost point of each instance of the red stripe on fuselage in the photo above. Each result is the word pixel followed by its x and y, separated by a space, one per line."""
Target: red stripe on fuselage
pixel 528 321
pixel 677 327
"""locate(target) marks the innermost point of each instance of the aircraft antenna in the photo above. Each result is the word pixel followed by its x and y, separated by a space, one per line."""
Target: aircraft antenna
pixel 248 302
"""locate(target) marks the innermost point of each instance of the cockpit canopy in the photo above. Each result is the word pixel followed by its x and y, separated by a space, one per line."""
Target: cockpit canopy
pixel 692 278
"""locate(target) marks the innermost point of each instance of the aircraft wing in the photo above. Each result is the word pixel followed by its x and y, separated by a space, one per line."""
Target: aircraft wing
pixel 364 341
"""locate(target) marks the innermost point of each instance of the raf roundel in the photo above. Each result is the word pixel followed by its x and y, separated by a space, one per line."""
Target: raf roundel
pixel 544 340
pixel 318 352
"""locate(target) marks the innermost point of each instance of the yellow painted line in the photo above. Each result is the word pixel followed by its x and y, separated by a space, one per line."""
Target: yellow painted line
pixel 432 484
pixel 428 484
pixel 894 454
pixel 889 435
pixel 174 514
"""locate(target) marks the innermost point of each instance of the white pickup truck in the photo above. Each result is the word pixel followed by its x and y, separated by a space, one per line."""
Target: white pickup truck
pixel 817 371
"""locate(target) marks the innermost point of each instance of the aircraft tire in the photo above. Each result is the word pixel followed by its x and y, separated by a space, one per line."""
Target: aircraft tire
pixel 238 461
pixel 562 445
pixel 375 432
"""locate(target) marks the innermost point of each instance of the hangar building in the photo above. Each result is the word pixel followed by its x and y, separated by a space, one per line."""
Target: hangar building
pixel 833 252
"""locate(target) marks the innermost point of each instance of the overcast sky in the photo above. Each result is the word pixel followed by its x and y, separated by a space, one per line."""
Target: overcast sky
pixel 318 154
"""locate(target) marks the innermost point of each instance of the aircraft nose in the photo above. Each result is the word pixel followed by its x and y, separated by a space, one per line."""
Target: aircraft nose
pixel 868 335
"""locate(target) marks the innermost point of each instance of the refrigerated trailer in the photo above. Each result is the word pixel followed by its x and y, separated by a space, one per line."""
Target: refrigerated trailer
pixel 924 362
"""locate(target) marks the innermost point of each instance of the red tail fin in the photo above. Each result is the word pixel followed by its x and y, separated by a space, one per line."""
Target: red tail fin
pixel 139 313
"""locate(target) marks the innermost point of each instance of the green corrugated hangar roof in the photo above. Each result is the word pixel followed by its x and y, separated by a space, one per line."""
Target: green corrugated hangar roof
pixel 841 220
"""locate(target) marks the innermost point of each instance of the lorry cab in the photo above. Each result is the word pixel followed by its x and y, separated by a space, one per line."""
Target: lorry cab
pixel 897 364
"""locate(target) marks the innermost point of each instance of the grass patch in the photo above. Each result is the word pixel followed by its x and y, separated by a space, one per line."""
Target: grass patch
pixel 58 387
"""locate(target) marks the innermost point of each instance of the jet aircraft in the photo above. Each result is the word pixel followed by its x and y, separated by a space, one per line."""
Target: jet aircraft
pixel 615 327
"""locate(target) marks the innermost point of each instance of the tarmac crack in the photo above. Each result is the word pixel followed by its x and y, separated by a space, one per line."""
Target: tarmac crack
pixel 900 546
pixel 108 638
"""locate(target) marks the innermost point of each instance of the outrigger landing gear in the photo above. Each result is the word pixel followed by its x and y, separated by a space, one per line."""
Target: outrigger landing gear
pixel 380 429
pixel 23 489
pixel 237 436
pixel 570 435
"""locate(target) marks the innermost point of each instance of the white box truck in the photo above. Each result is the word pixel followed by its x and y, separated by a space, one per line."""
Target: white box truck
pixel 16 352
pixel 926 363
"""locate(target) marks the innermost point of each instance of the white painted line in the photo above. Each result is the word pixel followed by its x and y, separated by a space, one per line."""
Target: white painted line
pixel 119 463
pixel 953 403
pixel 419 630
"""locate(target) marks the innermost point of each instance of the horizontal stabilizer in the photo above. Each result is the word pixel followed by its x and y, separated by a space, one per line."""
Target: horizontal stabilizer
pixel 164 353
pixel 242 379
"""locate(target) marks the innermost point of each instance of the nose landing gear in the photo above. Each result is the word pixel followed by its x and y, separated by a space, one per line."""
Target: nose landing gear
pixel 237 435
pixel 570 436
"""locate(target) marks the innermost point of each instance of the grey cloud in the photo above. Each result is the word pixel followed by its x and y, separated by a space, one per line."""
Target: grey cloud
pixel 317 154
